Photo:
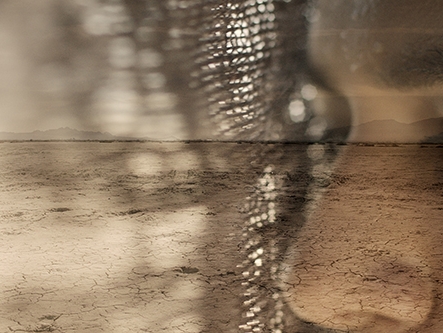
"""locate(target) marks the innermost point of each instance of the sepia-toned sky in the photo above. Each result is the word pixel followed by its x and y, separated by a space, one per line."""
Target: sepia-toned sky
pixel 50 71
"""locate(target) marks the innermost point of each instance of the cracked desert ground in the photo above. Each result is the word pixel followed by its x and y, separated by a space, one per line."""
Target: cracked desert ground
pixel 145 237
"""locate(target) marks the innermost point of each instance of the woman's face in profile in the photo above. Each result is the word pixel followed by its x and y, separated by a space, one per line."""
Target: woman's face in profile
pixel 377 266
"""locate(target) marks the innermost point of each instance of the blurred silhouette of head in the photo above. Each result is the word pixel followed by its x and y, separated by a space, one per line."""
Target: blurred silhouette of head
pixel 384 58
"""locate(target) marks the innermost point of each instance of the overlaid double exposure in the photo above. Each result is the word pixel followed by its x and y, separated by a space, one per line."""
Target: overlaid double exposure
pixel 208 166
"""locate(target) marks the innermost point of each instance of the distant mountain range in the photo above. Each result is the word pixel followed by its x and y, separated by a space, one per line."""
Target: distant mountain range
pixel 426 131
pixel 64 133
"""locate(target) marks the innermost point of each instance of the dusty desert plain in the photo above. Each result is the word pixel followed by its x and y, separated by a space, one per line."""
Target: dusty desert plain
pixel 165 236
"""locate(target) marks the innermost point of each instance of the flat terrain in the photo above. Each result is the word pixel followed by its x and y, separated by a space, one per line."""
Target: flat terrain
pixel 156 237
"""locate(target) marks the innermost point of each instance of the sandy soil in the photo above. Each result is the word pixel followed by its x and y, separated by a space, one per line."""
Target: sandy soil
pixel 115 237
pixel 153 237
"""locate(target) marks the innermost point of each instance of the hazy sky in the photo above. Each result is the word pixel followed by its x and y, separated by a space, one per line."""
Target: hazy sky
pixel 47 81
pixel 55 77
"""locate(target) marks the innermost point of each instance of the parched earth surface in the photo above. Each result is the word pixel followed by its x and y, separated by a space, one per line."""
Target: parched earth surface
pixel 150 237
pixel 122 237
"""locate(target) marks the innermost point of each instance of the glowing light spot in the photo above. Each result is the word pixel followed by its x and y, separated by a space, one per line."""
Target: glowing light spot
pixel 261 8
pixel 309 92
pixel 317 127
pixel 297 111
pixel 253 255
pixel 256 309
